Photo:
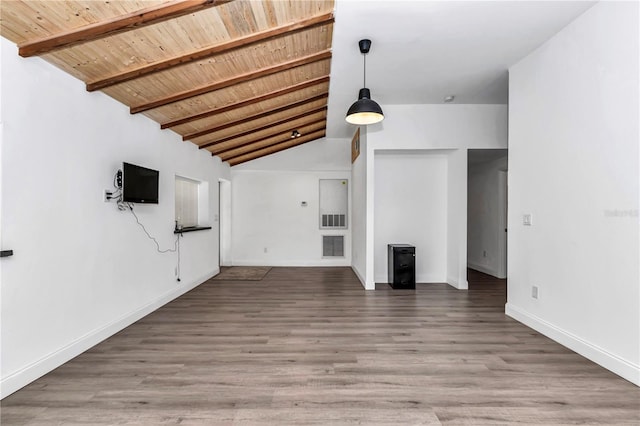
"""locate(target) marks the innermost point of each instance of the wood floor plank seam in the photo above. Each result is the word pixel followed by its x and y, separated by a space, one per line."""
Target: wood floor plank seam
pixel 309 346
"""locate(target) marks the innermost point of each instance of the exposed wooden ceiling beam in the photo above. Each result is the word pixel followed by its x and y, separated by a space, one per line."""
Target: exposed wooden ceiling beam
pixel 251 75
pixel 250 101
pixel 259 129
pixel 271 140
pixel 256 116
pixel 233 144
pixel 305 127
pixel 137 19
pixel 238 43
pixel 275 148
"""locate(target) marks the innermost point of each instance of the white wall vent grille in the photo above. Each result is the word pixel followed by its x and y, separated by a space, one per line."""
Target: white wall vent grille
pixel 334 221
pixel 334 200
pixel 333 246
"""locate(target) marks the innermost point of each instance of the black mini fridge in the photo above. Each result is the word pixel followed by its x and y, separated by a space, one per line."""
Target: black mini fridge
pixel 402 266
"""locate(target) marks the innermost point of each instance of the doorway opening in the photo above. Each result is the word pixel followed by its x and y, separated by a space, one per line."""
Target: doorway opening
pixel 487 206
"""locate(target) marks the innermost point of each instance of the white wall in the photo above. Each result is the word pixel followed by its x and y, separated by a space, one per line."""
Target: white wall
pixel 446 126
pixel 2 247
pixel 484 219
pixel 457 219
pixel 359 210
pixel 573 165
pixel 266 206
pixel 225 222
pixel 435 127
pixel 411 208
pixel 82 270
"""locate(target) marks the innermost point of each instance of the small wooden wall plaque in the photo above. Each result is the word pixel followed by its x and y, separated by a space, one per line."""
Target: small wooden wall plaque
pixel 355 145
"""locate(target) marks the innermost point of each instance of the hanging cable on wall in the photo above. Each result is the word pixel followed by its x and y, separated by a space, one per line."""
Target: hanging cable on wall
pixel 176 245
pixel 122 205
pixel 169 250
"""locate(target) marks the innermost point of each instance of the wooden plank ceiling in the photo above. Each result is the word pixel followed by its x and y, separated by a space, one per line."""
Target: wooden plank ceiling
pixel 236 78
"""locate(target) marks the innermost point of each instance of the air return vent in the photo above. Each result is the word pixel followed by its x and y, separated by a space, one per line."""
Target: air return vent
pixel 333 203
pixel 332 246
pixel 334 221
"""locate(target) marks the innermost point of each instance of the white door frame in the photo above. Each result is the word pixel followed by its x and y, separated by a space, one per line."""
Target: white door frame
pixel 224 222
pixel 502 237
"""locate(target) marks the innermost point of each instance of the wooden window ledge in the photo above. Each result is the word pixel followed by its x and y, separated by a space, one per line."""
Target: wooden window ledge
pixel 191 229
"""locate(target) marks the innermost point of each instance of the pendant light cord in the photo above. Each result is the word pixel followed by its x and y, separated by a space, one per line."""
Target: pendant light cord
pixel 364 73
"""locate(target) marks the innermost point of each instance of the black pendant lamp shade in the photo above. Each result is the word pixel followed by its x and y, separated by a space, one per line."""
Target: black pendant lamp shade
pixel 365 110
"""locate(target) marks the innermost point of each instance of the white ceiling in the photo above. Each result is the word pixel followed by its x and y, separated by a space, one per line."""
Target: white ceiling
pixel 424 50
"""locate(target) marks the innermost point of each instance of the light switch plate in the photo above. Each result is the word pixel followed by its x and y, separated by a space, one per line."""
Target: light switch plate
pixel 527 220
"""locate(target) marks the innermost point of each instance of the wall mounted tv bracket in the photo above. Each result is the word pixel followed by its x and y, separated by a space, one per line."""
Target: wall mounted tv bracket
pixel 110 195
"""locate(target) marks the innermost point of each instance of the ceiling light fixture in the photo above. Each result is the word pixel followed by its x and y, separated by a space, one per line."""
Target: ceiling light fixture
pixel 295 134
pixel 365 110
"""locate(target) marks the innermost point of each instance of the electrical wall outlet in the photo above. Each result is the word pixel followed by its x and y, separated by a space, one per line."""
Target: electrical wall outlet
pixel 265 250
pixel 534 291
pixel 106 195
pixel 484 253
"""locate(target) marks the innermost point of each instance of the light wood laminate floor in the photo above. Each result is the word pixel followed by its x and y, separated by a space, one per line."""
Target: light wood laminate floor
pixel 310 346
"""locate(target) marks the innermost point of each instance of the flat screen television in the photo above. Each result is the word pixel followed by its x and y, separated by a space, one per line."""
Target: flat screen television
pixel 140 185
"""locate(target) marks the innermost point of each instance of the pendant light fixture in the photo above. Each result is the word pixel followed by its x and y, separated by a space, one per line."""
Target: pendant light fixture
pixel 365 110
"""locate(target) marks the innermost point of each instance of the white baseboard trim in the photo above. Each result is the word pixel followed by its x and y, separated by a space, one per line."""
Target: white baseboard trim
pixel 39 368
pixel 457 284
pixel 611 362
pixel 485 269
pixel 294 263
pixel 360 277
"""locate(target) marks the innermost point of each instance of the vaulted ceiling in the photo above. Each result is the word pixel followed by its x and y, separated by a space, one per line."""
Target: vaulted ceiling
pixel 236 78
